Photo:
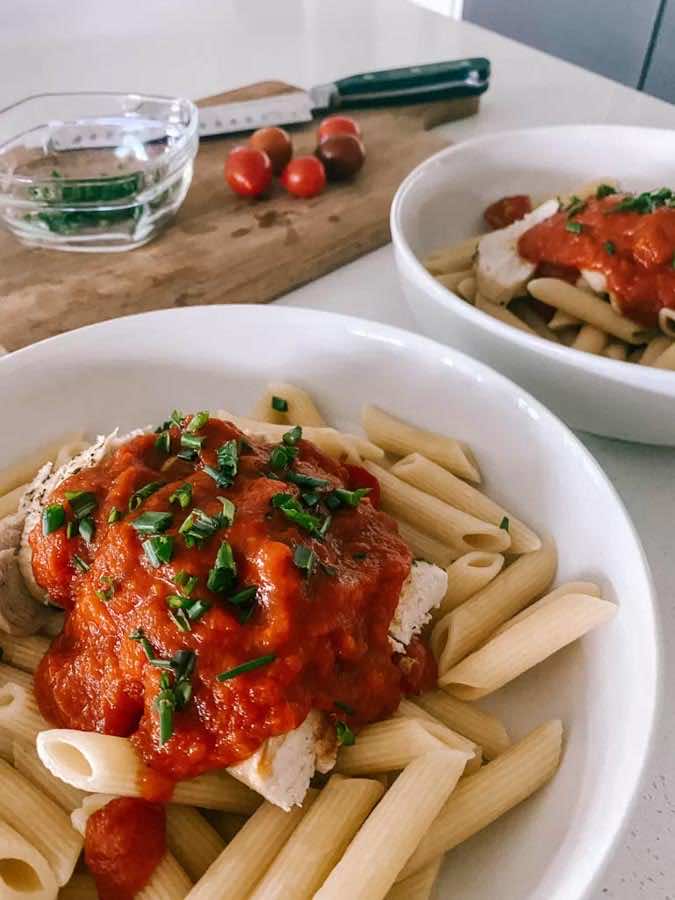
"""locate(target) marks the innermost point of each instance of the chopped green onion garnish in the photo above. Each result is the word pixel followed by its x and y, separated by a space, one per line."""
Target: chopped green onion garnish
pixel 228 464
pixel 224 572
pixel 341 497
pixel 610 248
pixel 198 527
pixel 165 703
pixel 360 555
pixel 114 515
pixel 143 493
pixel 329 570
pixel 81 502
pixel 71 529
pixel 185 581
pixel 138 635
pixel 325 525
pixel 180 620
pixel 305 559
pixel 158 549
pixel 183 693
pixel 229 511
pixel 576 205
pixel 87 528
pixel 282 456
pixel 105 594
pixel 53 518
pixel 306 481
pixel 80 563
pixel 310 499
pixel 182 495
pixel 604 190
pixel 289 506
pixel 177 417
pixel 197 610
pixel 177 601
pixel 198 421
pixel 152 522
pixel 574 227
pixel 244 595
pixel 279 404
pixel 187 455
pixel 292 437
pixel 345 735
pixel 247 667
pixel 192 441
pixel 672 262
pixel 163 442
pixel 345 707
pixel 504 524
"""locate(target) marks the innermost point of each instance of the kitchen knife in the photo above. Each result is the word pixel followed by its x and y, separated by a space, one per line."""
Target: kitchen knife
pixel 412 84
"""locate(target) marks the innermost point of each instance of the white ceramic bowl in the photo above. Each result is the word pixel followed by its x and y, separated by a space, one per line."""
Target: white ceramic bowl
pixel 132 371
pixel 442 201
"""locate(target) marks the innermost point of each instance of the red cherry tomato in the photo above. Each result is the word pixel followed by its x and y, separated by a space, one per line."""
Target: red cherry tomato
pixel 361 478
pixel 507 211
pixel 248 171
pixel 342 156
pixel 304 176
pixel 334 125
pixel 276 143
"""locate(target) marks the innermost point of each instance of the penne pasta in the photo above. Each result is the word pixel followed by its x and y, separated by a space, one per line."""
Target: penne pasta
pixel 12 675
pixel 452 280
pixel 9 502
pixel 391 745
pixel 492 791
pixel 616 350
pixel 400 438
pixel 191 840
pixel 394 828
pixel 588 308
pixel 654 349
pixel 501 313
pixel 481 727
pixel 23 652
pixel 28 763
pixel 320 839
pixel 465 628
pixel 425 547
pixel 248 856
pixel 20 717
pixel 23 471
pixel 431 478
pixel 301 409
pixel 40 821
pixel 467 289
pixel 226 824
pixel 590 339
pixel 6 743
pixel 667 321
pixel 554 623
pixel 105 764
pixel 466 576
pixel 665 360
pixel 24 872
pixel 524 310
pixel 443 522
pixel 419 885
pixel 456 258
pixel 80 887
pixel 562 320
pixel 587 189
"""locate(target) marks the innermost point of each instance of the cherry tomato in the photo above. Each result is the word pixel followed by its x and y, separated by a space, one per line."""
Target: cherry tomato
pixel 304 176
pixel 276 143
pixel 248 171
pixel 342 156
pixel 361 478
pixel 337 125
pixel 507 211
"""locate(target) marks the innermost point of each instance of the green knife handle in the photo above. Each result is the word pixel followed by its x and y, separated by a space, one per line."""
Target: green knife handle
pixel 415 84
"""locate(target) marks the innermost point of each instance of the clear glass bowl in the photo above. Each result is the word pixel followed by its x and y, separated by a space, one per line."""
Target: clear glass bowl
pixel 94 171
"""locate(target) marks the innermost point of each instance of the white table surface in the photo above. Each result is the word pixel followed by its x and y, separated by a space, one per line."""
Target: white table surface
pixel 199 48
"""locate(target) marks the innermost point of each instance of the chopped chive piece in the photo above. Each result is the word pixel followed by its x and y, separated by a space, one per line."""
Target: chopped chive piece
pixel 114 515
pixel 228 464
pixel 177 418
pixel 574 227
pixel 182 495
pixel 224 572
pixel 247 667
pixel 198 527
pixel 183 693
pixel 143 493
pixel 504 524
pixel 279 404
pixel 80 563
pixel 229 511
pixel 87 528
pixel 180 619
pixel 292 437
pixel 177 601
pixel 610 248
pixel 345 735
pixel 341 497
pixel 138 635
pixel 244 613
pixel 198 421
pixel 644 203
pixel 166 704
pixel 151 522
pixel 192 442
pixel 105 593
pixel 187 455
pixel 163 442
pixel 345 707
pixel 158 549
pixel 327 569
pixel 325 525
pixel 361 554
pixel 53 518
pixel 307 481
pixel 197 610
pixel 289 506
pixel 81 502
pixel 310 499
pixel 604 190
pixel 185 581
pixel 244 595
pixel 672 262
pixel 305 559
pixel 71 529
pixel 576 205
pixel 282 456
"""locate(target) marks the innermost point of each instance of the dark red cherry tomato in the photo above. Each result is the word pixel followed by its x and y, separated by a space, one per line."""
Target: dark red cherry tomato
pixel 342 156
pixel 276 143
pixel 507 211
pixel 337 125
pixel 361 478
pixel 304 176
pixel 248 171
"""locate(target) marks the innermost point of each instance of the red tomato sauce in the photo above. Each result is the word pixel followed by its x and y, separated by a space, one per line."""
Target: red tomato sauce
pixel 124 841
pixel 635 252
pixel 507 211
pixel 327 631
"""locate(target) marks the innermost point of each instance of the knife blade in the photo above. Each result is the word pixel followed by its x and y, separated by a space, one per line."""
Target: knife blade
pixel 410 84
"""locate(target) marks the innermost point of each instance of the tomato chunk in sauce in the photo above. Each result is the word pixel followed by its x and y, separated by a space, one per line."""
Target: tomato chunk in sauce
pixel 310 593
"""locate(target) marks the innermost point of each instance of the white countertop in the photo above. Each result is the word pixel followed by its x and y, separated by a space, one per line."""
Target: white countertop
pixel 196 49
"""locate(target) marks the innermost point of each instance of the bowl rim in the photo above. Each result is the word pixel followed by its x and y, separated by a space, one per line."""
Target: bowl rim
pixel 399 337
pixel 661 381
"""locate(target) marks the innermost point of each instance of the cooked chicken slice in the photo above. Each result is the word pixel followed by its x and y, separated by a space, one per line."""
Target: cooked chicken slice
pixel 422 591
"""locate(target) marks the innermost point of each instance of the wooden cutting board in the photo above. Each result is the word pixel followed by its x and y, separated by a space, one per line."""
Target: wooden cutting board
pixel 222 248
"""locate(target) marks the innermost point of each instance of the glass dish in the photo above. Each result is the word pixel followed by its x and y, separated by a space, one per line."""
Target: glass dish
pixel 94 171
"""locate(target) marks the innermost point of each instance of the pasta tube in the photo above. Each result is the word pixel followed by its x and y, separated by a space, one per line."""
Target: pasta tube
pixel 425 547
pixel 24 872
pixel 456 258
pixel 23 652
pixel 21 472
pixel 418 886
pixel 590 339
pixel 466 576
pixel 501 313
pixel 301 409
pixel 28 763
pixel 467 719
pixel 193 842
